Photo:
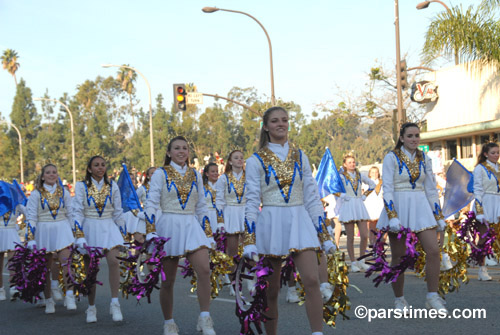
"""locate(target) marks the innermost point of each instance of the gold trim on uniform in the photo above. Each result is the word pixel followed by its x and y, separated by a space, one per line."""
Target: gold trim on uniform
pixel 413 167
pixel 99 196
pixel 439 215
pixel 53 200
pixel 479 208
pixel 183 183
pixel 354 182
pixel 6 216
pixel 239 185
pixel 248 238
pixel 492 171
pixel 284 169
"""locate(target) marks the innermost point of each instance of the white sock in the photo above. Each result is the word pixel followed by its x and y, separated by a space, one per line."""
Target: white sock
pixel 69 293
pixel 323 285
pixel 54 283
pixel 431 294
pixel 204 314
pixel 401 298
pixel 115 300
pixel 292 288
pixel 169 321
pixel 317 333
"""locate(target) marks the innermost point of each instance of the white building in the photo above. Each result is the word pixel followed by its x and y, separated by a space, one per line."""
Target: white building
pixel 465 115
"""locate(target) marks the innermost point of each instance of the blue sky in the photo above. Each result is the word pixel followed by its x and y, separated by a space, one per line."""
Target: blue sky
pixel 318 45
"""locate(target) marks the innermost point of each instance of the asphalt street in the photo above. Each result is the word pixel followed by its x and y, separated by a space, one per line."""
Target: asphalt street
pixel 142 318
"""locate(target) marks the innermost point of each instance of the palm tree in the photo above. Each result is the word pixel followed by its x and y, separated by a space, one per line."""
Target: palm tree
pixel 127 78
pixel 468 35
pixel 9 62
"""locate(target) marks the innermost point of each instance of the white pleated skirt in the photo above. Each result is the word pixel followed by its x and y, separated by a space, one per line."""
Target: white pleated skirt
pixel 8 239
pixel 184 231
pixel 353 210
pixel 414 212
pixel 102 233
pixel 491 207
pixel 234 219
pixel 374 206
pixel 53 235
pixel 280 231
pixel 212 216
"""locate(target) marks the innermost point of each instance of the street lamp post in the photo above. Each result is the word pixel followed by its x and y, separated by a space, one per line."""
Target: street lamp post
pixel 151 145
pixel 20 148
pixel 72 133
pixel 399 88
pixel 215 9
pixel 426 4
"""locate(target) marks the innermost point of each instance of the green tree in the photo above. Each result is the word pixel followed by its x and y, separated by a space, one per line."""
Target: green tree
pixel 127 77
pixel 9 62
pixel 465 34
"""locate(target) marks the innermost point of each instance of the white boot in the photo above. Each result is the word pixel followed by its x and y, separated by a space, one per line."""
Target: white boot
pixel 490 261
pixel 445 262
pixel 2 294
pixel 355 267
pixel 291 295
pixel 482 274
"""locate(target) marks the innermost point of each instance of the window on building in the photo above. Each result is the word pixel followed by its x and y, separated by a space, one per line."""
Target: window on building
pixel 451 149
pixel 466 147
pixel 484 139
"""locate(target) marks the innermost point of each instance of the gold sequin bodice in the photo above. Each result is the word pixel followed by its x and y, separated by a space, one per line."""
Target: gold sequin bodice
pixel 352 184
pixel 490 179
pixel 408 175
pixel 281 181
pixel 99 201
pixel 51 206
pixel 210 196
pixel 180 193
pixel 235 190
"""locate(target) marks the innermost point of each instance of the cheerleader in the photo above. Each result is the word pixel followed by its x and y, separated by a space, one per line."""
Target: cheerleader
pixel 231 202
pixel 411 201
pixel 210 177
pixel 8 232
pixel 353 211
pixel 135 222
pixel 486 193
pixel 98 215
pixel 176 190
pixel 49 222
pixel 279 176
pixel 374 203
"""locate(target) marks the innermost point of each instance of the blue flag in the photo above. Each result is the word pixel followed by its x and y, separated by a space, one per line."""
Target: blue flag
pixel 328 176
pixel 6 204
pixel 458 191
pixel 130 200
pixel 18 194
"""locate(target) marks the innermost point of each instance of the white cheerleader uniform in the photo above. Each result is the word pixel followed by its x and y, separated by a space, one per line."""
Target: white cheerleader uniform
pixel 48 214
pixel 231 201
pixel 374 201
pixel 352 208
pixel 177 191
pixel 410 192
pixel 98 213
pixel 487 191
pixel 8 230
pixel 280 177
pixel 210 193
pixel 134 223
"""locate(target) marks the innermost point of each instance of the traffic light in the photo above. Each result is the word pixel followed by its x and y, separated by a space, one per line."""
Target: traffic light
pixel 404 75
pixel 180 97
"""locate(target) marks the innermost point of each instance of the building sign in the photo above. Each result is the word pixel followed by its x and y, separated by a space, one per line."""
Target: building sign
pixel 423 92
pixel 424 147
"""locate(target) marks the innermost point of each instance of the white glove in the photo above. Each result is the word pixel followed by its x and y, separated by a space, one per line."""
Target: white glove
pixel 141 215
pixel 31 244
pixel 345 197
pixel 441 225
pixel 329 247
pixel 212 242
pixel 220 225
pixel 149 236
pixel 394 224
pixel 80 243
pixel 363 197
pixel 480 217
pixel 250 252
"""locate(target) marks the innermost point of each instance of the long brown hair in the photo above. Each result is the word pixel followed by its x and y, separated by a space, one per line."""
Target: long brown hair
pixel 88 174
pixel 39 180
pixel 169 147
pixel 264 135
pixel 484 150
pixel 402 131
pixel 229 167
pixel 205 172
pixel 147 178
